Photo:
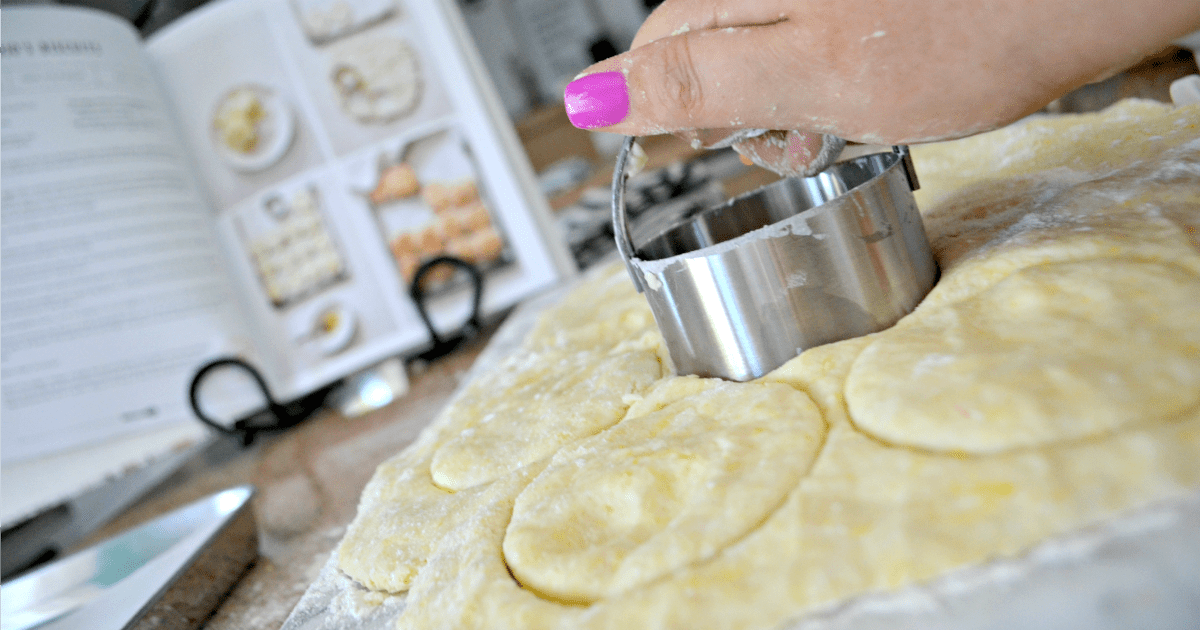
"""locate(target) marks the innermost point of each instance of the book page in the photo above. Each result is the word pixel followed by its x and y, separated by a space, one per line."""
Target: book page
pixel 114 288
pixel 344 143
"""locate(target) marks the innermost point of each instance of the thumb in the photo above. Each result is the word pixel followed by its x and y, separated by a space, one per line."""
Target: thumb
pixel 711 79
pixel 791 153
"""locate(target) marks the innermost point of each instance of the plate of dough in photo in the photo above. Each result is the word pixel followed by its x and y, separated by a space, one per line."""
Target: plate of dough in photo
pixel 252 127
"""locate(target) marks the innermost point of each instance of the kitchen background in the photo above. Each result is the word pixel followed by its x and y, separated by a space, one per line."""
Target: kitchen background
pixel 533 48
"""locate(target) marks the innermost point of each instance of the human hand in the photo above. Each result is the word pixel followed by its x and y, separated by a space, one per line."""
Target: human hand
pixel 865 70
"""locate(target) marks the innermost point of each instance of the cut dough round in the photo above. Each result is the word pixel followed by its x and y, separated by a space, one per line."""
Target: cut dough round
pixel 1051 353
pixel 663 490
pixel 531 407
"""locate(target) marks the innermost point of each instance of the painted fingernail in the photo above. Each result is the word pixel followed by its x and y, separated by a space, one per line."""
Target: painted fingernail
pixel 597 100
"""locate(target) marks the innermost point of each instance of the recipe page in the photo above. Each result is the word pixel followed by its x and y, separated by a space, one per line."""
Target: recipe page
pixel 114 286
pixel 344 143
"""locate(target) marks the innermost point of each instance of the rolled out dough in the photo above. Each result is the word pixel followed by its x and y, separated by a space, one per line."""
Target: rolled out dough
pixel 1069 350
pixel 402 517
pixel 1062 188
pixel 662 490
pixel 1064 325
pixel 546 401
pixel 570 379
pixel 574 377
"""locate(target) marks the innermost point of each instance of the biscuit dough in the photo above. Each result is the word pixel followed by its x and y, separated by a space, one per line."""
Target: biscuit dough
pixel 533 402
pixel 546 400
pixel 1069 350
pixel 1066 324
pixel 867 517
pixel 574 377
pixel 401 518
pixel 663 489
pixel 1121 183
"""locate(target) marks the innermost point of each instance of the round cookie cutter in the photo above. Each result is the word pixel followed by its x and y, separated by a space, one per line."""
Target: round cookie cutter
pixel 740 288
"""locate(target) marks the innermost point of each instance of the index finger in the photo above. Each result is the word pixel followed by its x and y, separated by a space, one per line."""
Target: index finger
pixel 675 17
pixel 729 78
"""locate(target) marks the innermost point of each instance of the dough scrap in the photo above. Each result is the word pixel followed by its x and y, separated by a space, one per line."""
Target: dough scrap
pixel 662 490
pixel 1056 352
pixel 574 325
pixel 1077 146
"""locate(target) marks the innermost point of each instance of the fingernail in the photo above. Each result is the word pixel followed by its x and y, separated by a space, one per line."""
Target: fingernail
pixel 597 100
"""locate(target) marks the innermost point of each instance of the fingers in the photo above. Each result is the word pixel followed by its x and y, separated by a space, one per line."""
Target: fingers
pixel 717 138
pixel 675 17
pixel 710 79
pixel 792 153
pixel 870 74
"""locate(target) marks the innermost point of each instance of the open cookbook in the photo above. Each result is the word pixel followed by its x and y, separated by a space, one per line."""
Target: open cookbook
pixel 261 179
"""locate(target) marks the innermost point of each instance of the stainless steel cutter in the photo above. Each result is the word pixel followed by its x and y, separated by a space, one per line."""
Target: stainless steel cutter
pixel 740 288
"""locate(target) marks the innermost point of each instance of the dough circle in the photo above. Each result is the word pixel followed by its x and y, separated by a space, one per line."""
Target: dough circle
pixel 548 401
pixel 662 490
pixel 1054 352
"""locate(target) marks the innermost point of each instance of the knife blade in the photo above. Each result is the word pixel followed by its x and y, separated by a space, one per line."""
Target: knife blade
pixel 112 583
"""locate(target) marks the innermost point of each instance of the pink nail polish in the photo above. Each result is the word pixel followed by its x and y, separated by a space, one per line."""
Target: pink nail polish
pixel 597 100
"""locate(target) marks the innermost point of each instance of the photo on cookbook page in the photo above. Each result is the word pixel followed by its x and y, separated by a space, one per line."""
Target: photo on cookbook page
pixel 326 20
pixel 426 196
pixel 244 118
pixel 371 82
pixel 289 245
pixel 313 285
pixel 344 144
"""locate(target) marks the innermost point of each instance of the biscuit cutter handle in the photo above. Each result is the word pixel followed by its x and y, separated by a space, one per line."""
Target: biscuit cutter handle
pixel 620 220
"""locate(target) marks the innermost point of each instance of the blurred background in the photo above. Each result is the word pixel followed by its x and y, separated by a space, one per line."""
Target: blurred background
pixel 533 48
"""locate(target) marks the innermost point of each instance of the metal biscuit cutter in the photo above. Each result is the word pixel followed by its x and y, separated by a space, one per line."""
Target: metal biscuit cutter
pixel 740 288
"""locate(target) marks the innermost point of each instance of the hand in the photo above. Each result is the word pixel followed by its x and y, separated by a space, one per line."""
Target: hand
pixel 875 71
